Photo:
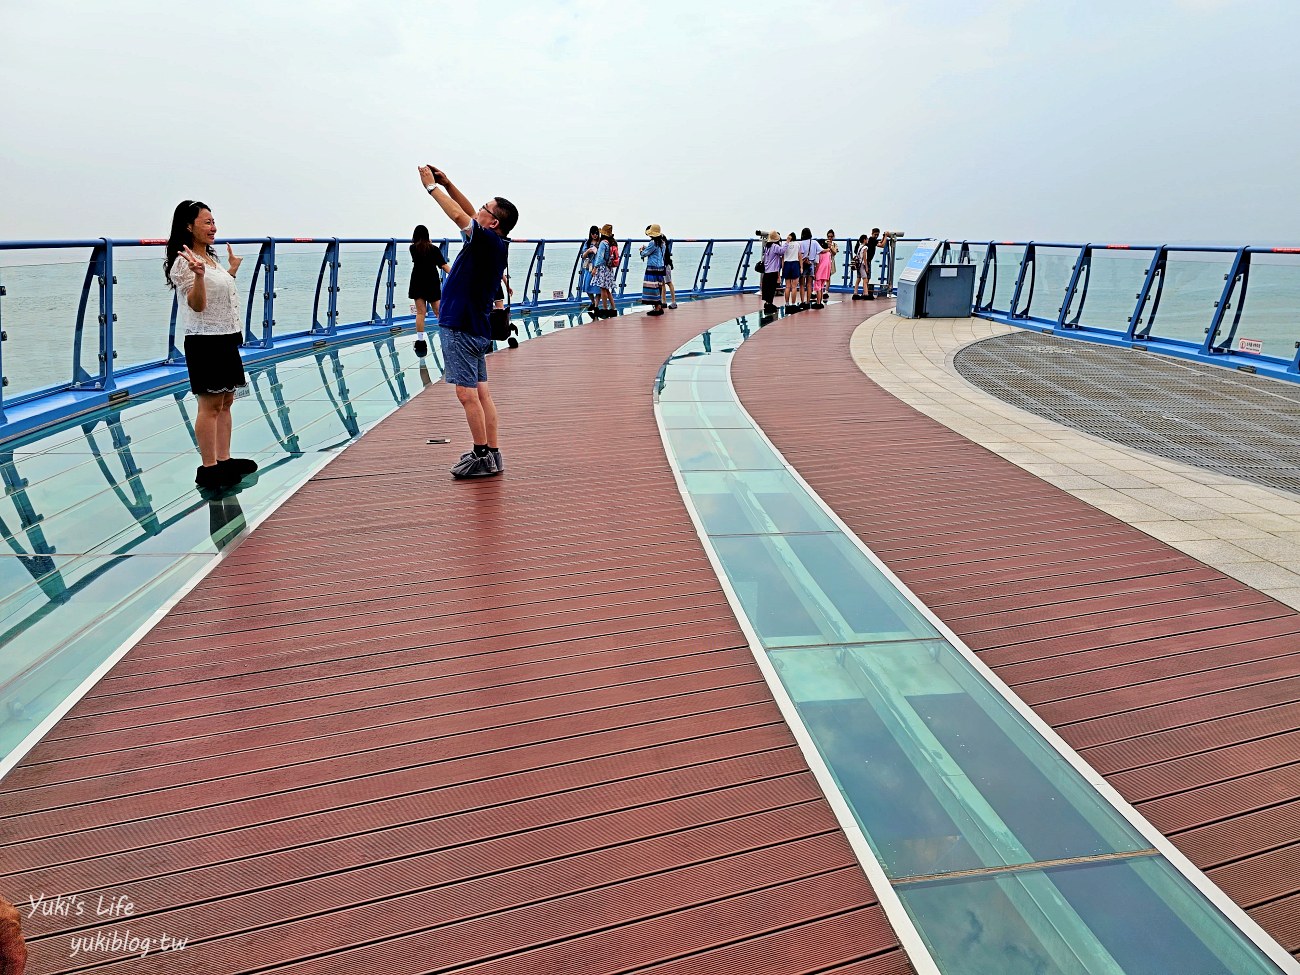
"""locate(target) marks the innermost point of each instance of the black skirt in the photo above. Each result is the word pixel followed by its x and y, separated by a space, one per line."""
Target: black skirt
pixel 426 286
pixel 214 363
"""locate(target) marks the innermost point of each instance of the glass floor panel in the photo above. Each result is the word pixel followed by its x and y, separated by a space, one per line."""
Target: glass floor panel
pixel 950 784
pixel 721 450
pixel 1128 917
pixel 801 590
pixel 754 502
pixel 940 772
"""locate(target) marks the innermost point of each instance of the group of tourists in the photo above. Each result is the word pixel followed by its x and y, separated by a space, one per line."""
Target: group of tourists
pixel 474 290
pixel 806 264
pixel 601 258
pixel 208 309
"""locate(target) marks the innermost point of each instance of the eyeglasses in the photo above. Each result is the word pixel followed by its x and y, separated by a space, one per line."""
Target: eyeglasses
pixel 486 208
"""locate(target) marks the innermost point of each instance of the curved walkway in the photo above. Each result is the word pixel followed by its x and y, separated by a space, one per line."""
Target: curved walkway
pixel 1173 680
pixel 415 725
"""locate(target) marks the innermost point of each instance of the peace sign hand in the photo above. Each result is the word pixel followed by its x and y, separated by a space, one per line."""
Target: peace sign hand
pixel 234 261
pixel 196 263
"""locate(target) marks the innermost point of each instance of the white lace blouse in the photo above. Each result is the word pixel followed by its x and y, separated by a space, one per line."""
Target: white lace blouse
pixel 221 314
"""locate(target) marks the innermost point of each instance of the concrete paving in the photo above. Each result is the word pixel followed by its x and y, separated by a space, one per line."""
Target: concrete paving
pixel 1244 530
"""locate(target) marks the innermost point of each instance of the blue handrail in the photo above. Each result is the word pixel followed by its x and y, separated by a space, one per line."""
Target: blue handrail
pixel 91 382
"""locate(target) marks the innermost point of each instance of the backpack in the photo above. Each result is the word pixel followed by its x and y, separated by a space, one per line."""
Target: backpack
pixel 612 260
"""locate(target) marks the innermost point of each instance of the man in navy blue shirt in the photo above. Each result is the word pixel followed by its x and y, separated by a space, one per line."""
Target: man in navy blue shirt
pixel 463 317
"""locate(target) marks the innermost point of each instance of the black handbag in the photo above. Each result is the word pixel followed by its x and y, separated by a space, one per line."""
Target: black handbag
pixel 499 325
pixel 759 267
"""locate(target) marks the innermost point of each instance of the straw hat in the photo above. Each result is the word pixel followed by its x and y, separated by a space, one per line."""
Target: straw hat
pixel 654 230
pixel 608 230
pixel 773 236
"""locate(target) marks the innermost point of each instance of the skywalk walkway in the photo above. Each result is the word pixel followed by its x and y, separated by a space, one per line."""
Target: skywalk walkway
pixel 416 725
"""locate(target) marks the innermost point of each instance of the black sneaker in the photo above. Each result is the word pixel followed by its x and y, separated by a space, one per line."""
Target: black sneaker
pixel 421 348
pixel 210 478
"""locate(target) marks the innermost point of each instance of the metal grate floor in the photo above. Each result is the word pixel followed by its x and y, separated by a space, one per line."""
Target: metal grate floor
pixel 1229 422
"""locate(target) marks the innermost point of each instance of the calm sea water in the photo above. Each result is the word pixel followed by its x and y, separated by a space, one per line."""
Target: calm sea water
pixel 39 311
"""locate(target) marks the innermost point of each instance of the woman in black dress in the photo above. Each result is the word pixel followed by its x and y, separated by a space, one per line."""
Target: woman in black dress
pixel 426 283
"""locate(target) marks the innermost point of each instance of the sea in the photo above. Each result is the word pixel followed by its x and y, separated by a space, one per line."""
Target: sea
pixel 42 291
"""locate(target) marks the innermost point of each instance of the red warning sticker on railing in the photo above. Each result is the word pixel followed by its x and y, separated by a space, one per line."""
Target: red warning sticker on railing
pixel 1251 346
pixel 1286 250
pixel 153 240
pixel 1117 247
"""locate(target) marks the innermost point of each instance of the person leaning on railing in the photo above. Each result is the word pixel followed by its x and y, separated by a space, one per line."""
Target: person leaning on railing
pixel 208 308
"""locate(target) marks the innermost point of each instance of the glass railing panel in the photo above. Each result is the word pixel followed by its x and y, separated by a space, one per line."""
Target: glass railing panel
pixel 754 502
pixel 1114 282
pixel 725 262
pixel 296 268
pixel 1193 283
pixel 1053 267
pixel 39 314
pixel 903 251
pixel 801 590
pixel 635 269
pixel 358 266
pixel 1008 258
pixel 142 302
pixel 1271 312
pixel 686 258
pixel 1129 917
pixel 520 260
pixel 940 771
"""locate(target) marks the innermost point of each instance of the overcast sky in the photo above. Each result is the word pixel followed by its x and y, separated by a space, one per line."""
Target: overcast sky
pixel 1027 119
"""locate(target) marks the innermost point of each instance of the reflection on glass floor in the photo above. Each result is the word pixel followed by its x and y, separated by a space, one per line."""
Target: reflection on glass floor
pixel 1003 856
pixel 101 523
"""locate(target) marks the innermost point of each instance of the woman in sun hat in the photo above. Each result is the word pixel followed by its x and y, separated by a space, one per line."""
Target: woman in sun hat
pixel 652 287
pixel 773 258
pixel 604 269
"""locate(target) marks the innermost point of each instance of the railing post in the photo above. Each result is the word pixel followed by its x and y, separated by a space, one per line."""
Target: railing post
pixel 107 316
pixel 742 270
pixel 695 286
pixel 96 271
pixel 1084 260
pixel 1027 265
pixel 539 256
pixel 705 260
pixel 1239 271
pixel 1156 268
pixel 624 264
pixel 263 270
pixel 329 264
pixel 333 321
pixel 388 262
pixel 4 337
pixel 990 261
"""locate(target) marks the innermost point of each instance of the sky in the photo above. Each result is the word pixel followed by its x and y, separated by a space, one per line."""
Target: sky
pixel 1050 120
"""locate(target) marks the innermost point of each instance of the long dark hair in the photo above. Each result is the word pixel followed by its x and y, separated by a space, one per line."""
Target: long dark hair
pixel 420 239
pixel 806 235
pixel 186 212
pixel 593 232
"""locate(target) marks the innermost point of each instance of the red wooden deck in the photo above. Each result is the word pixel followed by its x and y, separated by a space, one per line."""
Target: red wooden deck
pixel 416 725
pixel 1179 684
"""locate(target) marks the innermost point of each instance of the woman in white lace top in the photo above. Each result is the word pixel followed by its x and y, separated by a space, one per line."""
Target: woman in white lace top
pixel 207 303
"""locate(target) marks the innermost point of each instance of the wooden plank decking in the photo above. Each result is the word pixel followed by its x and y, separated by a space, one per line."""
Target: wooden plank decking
pixel 1179 684
pixel 414 725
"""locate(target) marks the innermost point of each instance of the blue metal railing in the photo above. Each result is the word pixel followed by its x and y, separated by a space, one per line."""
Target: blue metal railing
pixel 96 378
pixel 1210 330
